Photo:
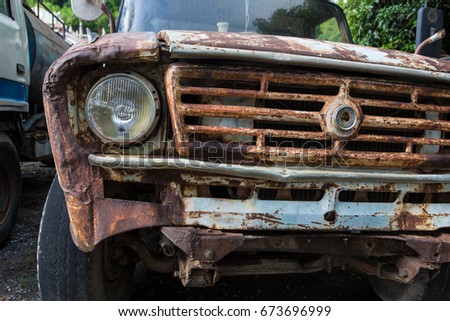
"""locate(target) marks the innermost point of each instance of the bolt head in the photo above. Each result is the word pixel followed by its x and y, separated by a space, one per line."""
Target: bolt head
pixel 208 254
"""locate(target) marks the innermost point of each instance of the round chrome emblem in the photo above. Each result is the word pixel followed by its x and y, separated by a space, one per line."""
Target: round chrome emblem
pixel 342 119
pixel 345 118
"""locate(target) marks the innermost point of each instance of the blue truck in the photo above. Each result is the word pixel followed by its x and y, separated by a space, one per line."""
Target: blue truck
pixel 29 47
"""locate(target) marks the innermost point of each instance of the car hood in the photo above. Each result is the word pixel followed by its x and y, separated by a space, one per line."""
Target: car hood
pixel 302 52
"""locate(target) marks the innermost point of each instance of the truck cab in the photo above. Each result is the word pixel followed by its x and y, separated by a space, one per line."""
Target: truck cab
pixel 14 70
pixel 29 46
pixel 222 138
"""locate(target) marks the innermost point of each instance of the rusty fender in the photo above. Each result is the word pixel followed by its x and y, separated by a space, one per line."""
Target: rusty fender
pixel 81 182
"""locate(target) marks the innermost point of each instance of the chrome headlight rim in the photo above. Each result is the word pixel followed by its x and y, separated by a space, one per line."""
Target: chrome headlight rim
pixel 154 109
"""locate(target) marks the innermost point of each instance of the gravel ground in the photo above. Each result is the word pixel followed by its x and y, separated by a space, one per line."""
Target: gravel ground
pixel 18 254
pixel 18 266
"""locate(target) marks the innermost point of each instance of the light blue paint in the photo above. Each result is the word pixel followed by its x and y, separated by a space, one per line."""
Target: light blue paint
pixel 255 214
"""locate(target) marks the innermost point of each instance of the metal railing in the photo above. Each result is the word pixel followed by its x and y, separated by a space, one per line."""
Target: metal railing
pixel 54 18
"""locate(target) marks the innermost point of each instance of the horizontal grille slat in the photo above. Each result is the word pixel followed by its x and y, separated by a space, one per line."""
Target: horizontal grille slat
pixel 251 94
pixel 282 115
pixel 402 106
pixel 404 140
pixel 254 132
pixel 401 123
pixel 293 116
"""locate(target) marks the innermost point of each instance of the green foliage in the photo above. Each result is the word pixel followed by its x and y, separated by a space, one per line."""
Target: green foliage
pixel 64 9
pixel 301 21
pixel 31 3
pixel 285 22
pixel 388 24
pixel 329 30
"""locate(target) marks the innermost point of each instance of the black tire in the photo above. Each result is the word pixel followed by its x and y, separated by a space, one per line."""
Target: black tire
pixel 421 288
pixel 10 186
pixel 65 272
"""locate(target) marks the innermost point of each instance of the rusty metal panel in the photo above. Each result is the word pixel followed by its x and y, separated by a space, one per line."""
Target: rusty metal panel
pixel 303 52
pixel 203 245
pixel 329 212
pixel 290 117
pixel 432 248
pixel 83 188
pixel 113 216
pixel 354 201
pixel 202 257
pixel 255 214
pixel 285 174
pixel 137 46
pixel 362 245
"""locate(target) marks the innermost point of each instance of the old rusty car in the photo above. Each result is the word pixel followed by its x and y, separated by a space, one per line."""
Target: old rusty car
pixel 223 138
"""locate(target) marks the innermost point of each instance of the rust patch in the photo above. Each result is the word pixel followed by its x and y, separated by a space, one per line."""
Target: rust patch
pixel 327 186
pixel 432 248
pixel 411 222
pixel 114 216
pixel 430 188
pixel 195 242
pixel 266 218
pixel 301 46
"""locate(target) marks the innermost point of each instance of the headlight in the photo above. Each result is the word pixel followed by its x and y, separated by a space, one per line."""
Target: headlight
pixel 122 108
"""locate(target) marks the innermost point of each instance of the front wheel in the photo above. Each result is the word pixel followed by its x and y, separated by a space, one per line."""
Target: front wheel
pixel 66 273
pixel 421 288
pixel 10 185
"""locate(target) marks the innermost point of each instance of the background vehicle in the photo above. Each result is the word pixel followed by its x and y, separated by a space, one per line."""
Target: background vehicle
pixel 29 46
pixel 234 150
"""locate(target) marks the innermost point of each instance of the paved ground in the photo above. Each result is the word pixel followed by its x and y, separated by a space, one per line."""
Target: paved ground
pixel 18 266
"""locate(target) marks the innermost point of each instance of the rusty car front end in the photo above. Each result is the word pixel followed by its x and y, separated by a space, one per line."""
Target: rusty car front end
pixel 268 155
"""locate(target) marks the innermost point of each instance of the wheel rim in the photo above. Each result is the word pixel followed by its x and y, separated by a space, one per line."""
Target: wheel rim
pixel 6 191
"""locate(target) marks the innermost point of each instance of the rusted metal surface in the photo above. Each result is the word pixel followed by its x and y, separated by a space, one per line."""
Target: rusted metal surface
pixel 203 245
pixel 284 118
pixel 274 266
pixel 430 249
pixel 257 214
pixel 405 275
pixel 360 200
pixel 326 262
pixel 409 267
pixel 137 47
pixel 81 182
pixel 293 214
pixel 381 200
pixel 204 258
pixel 113 216
pixel 374 246
pixel 155 263
pixel 202 248
pixel 288 174
pixel 302 52
pixel 95 217
pixel 433 248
